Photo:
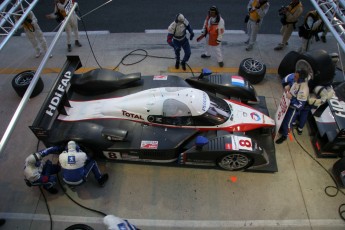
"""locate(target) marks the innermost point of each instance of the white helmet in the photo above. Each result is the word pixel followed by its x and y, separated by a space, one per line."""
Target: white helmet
pixel 72 146
pixel 179 18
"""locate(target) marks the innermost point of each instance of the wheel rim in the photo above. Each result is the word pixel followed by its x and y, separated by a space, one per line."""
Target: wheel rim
pixel 24 78
pixel 252 65
pixel 303 64
pixel 234 162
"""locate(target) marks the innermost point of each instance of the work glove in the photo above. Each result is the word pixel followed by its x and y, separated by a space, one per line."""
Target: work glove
pixel 191 36
pixel 218 42
pixel 203 31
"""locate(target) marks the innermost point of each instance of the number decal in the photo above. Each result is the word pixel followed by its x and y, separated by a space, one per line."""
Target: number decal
pixel 242 143
pixel 245 143
pixel 114 155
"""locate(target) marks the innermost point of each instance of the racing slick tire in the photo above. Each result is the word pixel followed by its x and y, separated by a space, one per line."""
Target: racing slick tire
pixel 79 227
pixel 21 82
pixel 319 65
pixel 287 65
pixel 252 70
pixel 234 162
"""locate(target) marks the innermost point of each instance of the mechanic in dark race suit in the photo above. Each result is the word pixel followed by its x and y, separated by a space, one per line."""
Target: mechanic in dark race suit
pixel 76 166
pixel 38 174
pixel 177 39
pixel 296 85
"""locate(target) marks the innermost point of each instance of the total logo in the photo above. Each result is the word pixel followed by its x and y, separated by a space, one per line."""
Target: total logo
pixel 255 116
pixel 132 115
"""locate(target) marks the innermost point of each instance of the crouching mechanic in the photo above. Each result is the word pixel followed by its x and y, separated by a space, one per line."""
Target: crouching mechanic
pixel 76 166
pixel 38 174
pixel 296 86
pixel 115 223
pixel 177 39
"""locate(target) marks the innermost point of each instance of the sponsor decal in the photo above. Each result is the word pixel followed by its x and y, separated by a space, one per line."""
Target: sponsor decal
pixel 255 116
pixel 149 145
pixel 59 91
pixel 132 115
pixel 338 106
pixel 237 81
pixel 204 100
pixel 160 78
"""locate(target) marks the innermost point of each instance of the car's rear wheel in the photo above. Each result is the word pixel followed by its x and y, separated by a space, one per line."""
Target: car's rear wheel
pixel 21 82
pixel 252 70
pixel 234 162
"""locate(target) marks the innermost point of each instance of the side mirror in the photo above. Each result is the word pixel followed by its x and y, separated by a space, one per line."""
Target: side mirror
pixel 204 72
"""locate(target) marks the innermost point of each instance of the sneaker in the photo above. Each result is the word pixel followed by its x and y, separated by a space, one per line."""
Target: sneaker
pixel 183 64
pixel 77 43
pixel 205 56
pixel 323 38
pixel 52 190
pixel 38 54
pixel 281 140
pixel 103 179
pixel 69 47
pixel 279 47
pixel 221 64
pixel 249 47
pixel 177 65
pixel 2 222
pixel 299 131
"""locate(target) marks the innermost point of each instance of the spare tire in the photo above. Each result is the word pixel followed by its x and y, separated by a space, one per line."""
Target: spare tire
pixel 287 65
pixel 21 82
pixel 252 70
pixel 319 65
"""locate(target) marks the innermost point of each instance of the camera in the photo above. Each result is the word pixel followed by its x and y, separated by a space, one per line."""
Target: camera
pixel 282 10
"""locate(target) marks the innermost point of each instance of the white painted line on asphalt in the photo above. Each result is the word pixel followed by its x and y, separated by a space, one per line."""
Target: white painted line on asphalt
pixel 195 31
pixel 101 32
pixel 198 224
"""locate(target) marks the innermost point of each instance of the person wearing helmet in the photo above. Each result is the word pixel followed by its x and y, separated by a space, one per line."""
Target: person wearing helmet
pixel 296 87
pixel 76 166
pixel 115 223
pixel 72 25
pixel 33 32
pixel 177 39
pixel 257 9
pixel 38 174
pixel 214 27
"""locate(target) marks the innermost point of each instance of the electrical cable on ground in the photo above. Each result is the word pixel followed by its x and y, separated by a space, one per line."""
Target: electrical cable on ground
pixel 341 209
pixel 46 202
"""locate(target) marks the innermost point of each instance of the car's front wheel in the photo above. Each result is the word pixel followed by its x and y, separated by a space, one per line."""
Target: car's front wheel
pixel 234 162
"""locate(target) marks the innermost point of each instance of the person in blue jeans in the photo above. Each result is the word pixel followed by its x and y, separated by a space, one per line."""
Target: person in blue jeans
pixel 76 166
pixel 296 86
pixel 37 173
pixel 177 39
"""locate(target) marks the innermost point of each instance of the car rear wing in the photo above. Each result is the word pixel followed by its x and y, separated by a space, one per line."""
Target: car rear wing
pixel 55 99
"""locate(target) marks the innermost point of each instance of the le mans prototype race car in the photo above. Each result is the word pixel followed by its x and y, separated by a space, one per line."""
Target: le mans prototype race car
pixel 204 121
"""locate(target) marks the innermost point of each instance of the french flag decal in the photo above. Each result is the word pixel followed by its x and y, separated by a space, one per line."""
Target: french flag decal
pixel 237 81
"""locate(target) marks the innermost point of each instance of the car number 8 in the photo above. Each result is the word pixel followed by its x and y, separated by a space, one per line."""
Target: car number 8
pixel 245 143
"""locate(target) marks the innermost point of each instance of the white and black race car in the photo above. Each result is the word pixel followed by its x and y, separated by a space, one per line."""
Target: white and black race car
pixel 205 120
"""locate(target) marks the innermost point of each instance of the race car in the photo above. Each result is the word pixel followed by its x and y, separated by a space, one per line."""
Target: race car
pixel 209 120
